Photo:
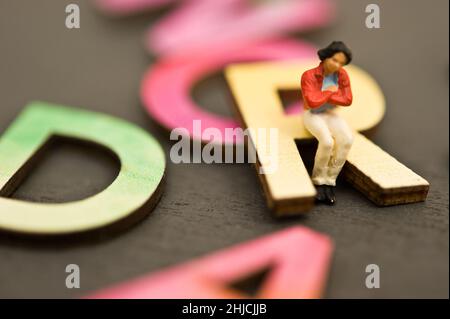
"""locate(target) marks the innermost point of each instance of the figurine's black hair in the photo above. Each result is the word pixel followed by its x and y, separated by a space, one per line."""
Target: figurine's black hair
pixel 333 48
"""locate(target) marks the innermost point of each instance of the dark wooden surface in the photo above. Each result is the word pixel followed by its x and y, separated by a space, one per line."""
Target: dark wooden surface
pixel 208 207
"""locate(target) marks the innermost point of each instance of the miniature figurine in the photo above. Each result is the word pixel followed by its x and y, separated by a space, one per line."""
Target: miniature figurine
pixel 324 89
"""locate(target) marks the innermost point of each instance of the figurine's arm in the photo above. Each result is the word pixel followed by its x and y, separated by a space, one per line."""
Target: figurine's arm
pixel 312 95
pixel 343 97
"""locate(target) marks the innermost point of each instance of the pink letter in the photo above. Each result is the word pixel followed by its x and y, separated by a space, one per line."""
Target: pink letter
pixel 298 259
pixel 165 90
pixel 201 24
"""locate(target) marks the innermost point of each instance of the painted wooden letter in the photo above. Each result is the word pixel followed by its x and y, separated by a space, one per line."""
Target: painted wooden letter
pixel 136 187
pixel 297 260
pixel 289 190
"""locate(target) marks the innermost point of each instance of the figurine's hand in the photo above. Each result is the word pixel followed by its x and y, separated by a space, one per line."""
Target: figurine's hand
pixel 332 88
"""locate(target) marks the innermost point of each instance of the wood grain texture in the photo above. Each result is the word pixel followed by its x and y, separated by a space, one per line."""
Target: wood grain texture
pixel 382 178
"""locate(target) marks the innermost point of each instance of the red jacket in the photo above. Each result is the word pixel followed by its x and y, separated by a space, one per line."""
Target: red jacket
pixel 313 96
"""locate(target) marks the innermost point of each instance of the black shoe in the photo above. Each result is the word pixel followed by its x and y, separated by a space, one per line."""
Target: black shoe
pixel 321 196
pixel 330 196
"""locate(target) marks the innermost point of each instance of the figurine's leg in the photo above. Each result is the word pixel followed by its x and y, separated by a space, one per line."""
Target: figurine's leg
pixel 316 124
pixel 343 140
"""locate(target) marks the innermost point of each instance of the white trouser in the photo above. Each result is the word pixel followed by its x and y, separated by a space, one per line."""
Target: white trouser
pixel 335 140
